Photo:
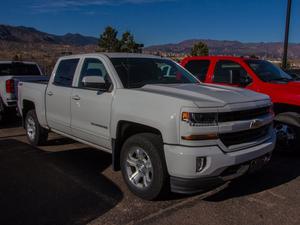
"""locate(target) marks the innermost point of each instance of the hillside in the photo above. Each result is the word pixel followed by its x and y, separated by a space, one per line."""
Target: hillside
pixel 22 34
pixel 26 43
pixel 269 50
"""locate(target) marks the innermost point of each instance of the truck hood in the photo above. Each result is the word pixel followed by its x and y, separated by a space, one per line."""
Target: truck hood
pixel 283 92
pixel 292 87
pixel 206 95
pixel 295 84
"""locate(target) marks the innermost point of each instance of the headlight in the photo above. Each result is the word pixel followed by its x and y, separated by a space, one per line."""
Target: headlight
pixel 200 119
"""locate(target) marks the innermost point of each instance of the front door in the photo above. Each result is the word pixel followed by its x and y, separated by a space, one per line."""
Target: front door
pixel 91 107
pixel 231 73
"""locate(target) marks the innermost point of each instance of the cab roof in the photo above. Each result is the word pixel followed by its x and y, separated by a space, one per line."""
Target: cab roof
pixel 113 55
pixel 216 57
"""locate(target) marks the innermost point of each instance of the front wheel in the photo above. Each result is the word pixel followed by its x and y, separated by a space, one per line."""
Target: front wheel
pixel 288 137
pixel 143 165
pixel 36 134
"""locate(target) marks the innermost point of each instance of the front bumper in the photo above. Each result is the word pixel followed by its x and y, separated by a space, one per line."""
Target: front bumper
pixel 181 164
pixel 191 186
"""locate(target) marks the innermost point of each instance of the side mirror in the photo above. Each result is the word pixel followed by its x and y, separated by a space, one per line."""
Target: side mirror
pixel 245 81
pixel 240 78
pixel 94 82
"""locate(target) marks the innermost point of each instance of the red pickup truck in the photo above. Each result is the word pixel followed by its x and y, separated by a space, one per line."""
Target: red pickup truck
pixel 261 76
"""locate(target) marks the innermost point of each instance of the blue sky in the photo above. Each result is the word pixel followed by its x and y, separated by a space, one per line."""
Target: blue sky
pixel 159 21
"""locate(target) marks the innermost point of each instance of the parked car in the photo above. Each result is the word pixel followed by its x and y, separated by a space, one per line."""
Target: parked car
pixel 260 76
pixel 164 130
pixel 11 73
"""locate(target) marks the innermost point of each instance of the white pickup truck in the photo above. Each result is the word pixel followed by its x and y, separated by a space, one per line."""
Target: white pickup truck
pixel 164 128
pixel 11 72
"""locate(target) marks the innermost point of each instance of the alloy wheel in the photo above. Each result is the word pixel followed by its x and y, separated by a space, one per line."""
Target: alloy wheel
pixel 139 168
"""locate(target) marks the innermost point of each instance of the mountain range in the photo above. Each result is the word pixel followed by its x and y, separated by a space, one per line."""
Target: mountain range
pixel 23 34
pixel 217 47
pixel 19 38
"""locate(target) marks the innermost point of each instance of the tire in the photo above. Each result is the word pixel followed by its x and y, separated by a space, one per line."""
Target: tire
pixel 36 134
pixel 2 112
pixel 150 181
pixel 288 137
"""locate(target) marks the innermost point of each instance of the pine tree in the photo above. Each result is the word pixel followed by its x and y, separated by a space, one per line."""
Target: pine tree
pixel 128 44
pixel 108 41
pixel 200 49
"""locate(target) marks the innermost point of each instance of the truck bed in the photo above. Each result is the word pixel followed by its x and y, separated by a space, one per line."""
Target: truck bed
pixel 33 91
pixel 30 79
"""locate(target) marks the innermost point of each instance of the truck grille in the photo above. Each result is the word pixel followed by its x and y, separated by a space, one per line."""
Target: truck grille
pixel 243 115
pixel 240 137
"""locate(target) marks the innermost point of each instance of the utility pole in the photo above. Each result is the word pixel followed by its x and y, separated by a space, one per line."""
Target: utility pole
pixel 286 36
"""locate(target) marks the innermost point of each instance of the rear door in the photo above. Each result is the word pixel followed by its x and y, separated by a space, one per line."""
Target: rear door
pixel 58 95
pixel 199 68
pixel 91 107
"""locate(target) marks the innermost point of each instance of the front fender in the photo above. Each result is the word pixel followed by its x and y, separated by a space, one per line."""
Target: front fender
pixel 291 118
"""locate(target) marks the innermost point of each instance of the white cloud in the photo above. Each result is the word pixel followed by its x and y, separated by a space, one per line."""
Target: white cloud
pixel 50 5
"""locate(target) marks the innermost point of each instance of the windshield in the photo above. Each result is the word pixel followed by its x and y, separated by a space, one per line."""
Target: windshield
pixel 18 69
pixel 267 71
pixel 137 72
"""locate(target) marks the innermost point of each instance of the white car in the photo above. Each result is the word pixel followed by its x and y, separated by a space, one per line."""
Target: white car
pixel 11 72
pixel 164 131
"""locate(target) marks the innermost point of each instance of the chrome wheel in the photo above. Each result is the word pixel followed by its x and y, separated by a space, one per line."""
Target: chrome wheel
pixel 286 135
pixel 139 168
pixel 30 128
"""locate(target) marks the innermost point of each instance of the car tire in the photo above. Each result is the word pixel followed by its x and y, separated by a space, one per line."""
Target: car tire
pixel 143 166
pixel 2 112
pixel 288 137
pixel 36 134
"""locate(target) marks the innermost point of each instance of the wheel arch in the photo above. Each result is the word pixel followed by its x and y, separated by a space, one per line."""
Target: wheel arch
pixel 290 118
pixel 27 105
pixel 126 129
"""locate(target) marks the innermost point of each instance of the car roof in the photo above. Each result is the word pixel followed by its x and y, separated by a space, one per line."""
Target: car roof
pixel 113 55
pixel 217 57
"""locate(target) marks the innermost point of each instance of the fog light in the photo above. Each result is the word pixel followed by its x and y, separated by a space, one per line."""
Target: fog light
pixel 200 164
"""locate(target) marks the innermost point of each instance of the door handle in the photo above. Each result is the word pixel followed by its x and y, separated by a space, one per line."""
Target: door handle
pixel 50 93
pixel 76 97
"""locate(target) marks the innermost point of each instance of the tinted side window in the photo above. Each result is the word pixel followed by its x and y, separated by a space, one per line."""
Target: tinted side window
pixel 229 72
pixel 18 68
pixel 198 68
pixel 65 72
pixel 93 67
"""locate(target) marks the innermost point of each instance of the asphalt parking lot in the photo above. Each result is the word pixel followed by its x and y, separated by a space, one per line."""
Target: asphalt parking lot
pixel 49 186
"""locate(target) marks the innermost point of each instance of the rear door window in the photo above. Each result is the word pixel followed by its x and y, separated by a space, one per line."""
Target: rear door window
pixel 65 72
pixel 199 68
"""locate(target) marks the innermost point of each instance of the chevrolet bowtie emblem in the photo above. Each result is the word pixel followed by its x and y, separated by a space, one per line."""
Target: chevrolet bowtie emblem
pixel 255 124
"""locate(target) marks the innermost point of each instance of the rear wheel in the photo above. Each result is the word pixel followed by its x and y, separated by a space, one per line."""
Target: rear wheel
pixel 2 111
pixel 287 137
pixel 36 134
pixel 143 166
